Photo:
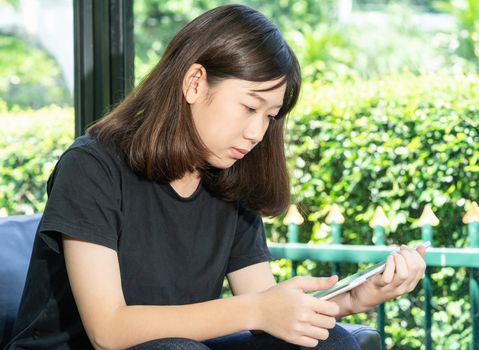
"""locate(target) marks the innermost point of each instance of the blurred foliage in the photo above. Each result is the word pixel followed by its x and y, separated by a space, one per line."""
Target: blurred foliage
pixel 13 3
pixel 348 51
pixel 396 46
pixel 30 147
pixel 156 22
pixel 424 5
pixel 466 38
pixel 328 50
pixel 29 77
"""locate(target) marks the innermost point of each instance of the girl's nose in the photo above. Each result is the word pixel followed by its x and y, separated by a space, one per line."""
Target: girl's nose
pixel 256 128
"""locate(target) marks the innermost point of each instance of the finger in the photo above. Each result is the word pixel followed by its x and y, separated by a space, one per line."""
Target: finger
pixel 422 263
pixel 421 250
pixel 401 274
pixel 305 341
pixel 323 321
pixel 315 332
pixel 416 266
pixel 309 284
pixel 412 259
pixel 388 273
pixel 325 307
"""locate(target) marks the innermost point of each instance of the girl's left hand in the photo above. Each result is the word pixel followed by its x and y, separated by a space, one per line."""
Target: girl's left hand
pixel 404 269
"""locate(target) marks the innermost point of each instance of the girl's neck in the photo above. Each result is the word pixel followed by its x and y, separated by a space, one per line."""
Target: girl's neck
pixel 187 185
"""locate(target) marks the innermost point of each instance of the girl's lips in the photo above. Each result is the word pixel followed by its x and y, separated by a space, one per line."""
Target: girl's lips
pixel 238 153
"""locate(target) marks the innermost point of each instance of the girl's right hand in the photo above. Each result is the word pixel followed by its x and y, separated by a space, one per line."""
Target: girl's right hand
pixel 286 312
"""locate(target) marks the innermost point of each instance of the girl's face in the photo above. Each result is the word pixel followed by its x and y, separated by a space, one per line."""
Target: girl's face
pixel 231 118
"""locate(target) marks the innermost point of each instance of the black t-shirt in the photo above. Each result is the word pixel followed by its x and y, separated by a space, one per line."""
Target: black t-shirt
pixel 171 250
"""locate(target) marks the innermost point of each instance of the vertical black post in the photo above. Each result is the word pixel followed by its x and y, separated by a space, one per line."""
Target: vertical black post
pixel 104 53
pixel 122 52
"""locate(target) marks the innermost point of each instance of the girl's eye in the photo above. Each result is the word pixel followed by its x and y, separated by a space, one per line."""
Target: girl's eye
pixel 253 110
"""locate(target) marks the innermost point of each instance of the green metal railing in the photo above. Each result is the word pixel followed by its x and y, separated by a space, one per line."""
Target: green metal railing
pixel 435 257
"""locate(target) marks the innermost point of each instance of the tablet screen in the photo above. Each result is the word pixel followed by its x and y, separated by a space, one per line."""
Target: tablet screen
pixel 352 280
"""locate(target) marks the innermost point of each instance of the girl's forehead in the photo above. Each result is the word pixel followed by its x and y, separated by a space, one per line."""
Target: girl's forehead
pixel 255 87
pixel 261 85
pixel 266 91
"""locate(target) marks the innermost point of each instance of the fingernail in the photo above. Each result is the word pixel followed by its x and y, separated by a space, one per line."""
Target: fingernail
pixel 403 246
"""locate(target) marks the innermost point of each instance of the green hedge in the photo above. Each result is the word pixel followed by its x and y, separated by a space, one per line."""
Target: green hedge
pixel 30 144
pixel 401 143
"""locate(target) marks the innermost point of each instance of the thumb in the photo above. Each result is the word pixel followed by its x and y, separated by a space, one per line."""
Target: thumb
pixel 310 284
pixel 421 251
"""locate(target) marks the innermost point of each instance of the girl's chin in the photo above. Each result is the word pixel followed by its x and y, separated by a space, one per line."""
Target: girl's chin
pixel 222 163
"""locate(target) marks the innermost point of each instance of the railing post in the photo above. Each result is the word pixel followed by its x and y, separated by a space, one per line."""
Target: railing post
pixel 378 223
pixel 293 219
pixel 472 220
pixel 335 219
pixel 427 220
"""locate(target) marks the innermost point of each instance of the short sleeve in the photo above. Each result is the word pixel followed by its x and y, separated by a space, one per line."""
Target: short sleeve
pixel 84 201
pixel 249 246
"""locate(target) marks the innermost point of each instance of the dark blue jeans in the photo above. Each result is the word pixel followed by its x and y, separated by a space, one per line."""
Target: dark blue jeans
pixel 339 339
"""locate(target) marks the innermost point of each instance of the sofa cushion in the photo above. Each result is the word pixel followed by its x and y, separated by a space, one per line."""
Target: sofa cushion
pixel 16 242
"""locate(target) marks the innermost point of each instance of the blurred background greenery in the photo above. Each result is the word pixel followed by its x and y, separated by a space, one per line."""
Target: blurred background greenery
pixel 388 116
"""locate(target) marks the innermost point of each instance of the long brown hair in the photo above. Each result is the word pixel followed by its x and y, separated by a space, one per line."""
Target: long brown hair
pixel 153 126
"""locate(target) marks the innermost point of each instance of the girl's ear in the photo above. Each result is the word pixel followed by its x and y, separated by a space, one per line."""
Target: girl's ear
pixel 194 83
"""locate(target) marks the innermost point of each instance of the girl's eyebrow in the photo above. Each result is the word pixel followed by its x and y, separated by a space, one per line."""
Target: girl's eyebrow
pixel 258 97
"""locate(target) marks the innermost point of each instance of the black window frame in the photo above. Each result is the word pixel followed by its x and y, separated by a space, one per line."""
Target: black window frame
pixel 103 57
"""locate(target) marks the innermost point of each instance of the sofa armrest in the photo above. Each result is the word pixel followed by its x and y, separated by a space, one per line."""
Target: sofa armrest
pixel 367 337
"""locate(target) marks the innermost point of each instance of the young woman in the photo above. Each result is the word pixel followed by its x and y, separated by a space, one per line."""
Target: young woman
pixel 161 199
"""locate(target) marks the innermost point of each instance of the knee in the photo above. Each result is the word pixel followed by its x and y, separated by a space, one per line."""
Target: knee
pixel 189 344
pixel 171 343
pixel 339 339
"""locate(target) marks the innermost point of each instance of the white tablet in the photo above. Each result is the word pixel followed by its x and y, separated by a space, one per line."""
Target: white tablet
pixel 355 280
